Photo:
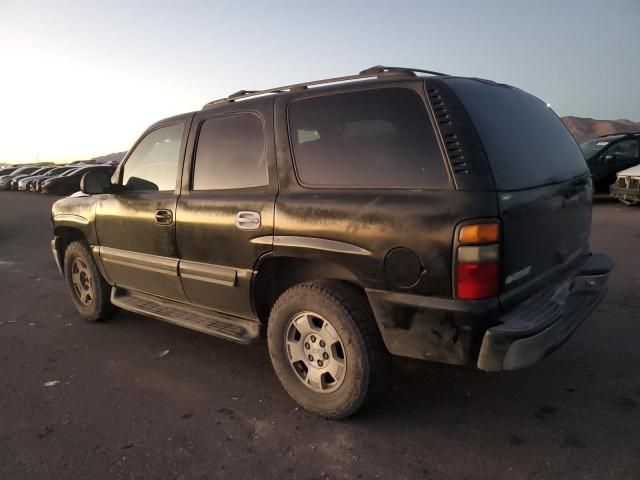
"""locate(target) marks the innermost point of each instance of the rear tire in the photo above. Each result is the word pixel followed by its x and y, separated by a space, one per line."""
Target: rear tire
pixel 326 349
pixel 90 292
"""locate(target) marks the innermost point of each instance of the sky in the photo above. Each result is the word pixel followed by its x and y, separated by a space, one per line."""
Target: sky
pixel 84 78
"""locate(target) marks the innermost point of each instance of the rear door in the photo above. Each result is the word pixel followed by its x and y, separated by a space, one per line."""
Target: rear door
pixel 542 184
pixel 136 226
pixel 225 213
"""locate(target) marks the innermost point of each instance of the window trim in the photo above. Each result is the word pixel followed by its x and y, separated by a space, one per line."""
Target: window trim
pixel 417 92
pixel 120 169
pixel 196 143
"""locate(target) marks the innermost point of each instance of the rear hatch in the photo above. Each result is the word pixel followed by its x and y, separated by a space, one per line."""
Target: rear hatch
pixel 542 182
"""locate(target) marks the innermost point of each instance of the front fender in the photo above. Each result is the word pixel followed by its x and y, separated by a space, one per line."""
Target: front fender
pixel 77 213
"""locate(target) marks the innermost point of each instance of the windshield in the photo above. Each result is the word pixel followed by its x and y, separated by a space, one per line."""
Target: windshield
pixel 592 147
pixel 526 143
pixel 23 170
pixel 56 171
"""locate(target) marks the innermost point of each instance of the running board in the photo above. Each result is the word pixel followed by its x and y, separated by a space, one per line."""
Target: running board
pixel 212 323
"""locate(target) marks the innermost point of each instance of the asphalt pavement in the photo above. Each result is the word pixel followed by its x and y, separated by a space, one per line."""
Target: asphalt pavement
pixel 136 398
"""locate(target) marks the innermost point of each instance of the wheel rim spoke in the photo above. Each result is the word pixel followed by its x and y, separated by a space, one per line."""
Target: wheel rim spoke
pixel 336 369
pixel 295 350
pixel 314 379
pixel 81 281
pixel 305 325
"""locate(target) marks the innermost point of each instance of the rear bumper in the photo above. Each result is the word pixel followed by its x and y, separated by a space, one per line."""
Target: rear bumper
pixel 463 332
pixel 430 328
pixel 541 324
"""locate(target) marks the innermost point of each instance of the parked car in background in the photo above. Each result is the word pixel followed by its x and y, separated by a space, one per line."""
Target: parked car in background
pixel 38 183
pixel 17 178
pixel 7 170
pixel 5 180
pixel 28 183
pixel 627 186
pixel 609 154
pixel 70 182
pixel 376 214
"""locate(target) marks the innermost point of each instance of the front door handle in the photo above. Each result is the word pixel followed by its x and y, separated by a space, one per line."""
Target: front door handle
pixel 164 217
pixel 248 220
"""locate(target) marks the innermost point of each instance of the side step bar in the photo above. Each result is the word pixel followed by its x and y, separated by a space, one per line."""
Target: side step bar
pixel 212 323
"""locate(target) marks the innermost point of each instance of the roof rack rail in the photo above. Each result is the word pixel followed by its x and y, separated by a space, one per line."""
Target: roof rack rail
pixel 618 133
pixel 376 71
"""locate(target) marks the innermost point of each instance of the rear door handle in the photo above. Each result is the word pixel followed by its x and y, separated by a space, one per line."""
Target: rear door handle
pixel 164 217
pixel 248 220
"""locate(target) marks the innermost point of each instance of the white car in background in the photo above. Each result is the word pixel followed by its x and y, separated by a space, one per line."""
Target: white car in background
pixel 627 186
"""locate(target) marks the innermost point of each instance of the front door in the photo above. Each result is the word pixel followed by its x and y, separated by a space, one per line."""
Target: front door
pixel 225 213
pixel 136 226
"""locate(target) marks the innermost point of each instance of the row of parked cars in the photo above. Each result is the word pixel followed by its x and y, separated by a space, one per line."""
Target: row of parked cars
pixel 55 179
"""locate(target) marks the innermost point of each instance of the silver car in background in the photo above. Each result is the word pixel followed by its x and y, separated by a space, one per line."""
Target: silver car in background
pixel 627 186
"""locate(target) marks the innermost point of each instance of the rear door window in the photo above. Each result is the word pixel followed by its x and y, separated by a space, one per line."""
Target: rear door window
pixel 230 153
pixel 379 138
pixel 525 141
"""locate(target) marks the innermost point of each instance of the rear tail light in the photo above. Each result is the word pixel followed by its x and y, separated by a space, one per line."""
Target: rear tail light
pixel 477 257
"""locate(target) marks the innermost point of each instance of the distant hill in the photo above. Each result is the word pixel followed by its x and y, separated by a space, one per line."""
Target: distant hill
pixel 586 128
pixel 110 157
pixel 104 158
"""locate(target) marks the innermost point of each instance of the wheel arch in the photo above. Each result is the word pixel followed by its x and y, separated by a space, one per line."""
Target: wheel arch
pixel 64 236
pixel 268 282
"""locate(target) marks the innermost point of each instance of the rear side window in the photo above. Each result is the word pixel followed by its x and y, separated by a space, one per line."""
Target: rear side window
pixel 376 138
pixel 527 144
pixel 230 153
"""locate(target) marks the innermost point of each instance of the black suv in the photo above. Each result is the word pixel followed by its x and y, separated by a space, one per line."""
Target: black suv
pixel 397 211
pixel 608 155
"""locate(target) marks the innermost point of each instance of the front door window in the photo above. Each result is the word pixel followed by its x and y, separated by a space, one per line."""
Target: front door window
pixel 153 165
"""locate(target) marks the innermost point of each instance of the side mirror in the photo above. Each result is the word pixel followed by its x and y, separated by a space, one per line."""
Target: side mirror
pixel 94 183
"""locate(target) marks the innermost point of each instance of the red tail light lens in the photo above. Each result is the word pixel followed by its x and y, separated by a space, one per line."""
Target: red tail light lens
pixel 475 281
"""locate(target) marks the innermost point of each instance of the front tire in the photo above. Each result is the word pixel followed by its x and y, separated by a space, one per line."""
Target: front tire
pixel 326 349
pixel 89 291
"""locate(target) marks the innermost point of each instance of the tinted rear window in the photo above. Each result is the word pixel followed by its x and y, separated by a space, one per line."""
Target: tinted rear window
pixel 374 138
pixel 527 144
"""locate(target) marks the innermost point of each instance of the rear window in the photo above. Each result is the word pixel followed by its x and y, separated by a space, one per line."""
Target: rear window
pixel 369 139
pixel 527 144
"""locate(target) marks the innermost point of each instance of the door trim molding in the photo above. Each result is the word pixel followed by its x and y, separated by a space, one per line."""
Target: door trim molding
pixel 142 261
pixel 201 272
pixel 314 243
pixel 206 272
